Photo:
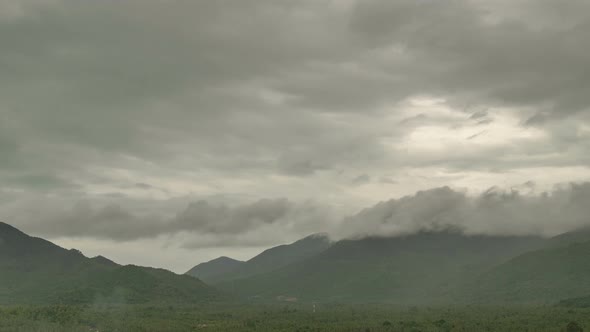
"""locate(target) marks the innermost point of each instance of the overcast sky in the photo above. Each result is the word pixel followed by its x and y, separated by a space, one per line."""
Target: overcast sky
pixel 166 133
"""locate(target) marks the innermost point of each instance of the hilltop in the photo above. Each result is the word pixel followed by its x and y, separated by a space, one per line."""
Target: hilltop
pixel 37 271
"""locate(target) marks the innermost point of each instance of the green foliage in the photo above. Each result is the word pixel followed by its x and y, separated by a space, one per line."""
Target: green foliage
pixel 573 327
pixel 541 276
pixel 300 317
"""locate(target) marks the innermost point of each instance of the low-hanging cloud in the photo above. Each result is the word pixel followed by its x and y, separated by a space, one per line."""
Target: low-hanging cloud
pixel 518 211
pixel 207 223
pixel 494 212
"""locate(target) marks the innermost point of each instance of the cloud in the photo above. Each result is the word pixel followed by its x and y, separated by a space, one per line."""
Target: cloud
pixel 83 220
pixel 494 211
pixel 387 180
pixel 206 223
pixel 140 108
pixel 38 182
pixel 206 218
pixel 173 85
pixel 361 179
pixel 521 210
pixel 145 186
pixel 482 51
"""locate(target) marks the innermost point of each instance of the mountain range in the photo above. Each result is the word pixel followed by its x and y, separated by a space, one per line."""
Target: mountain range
pixel 226 269
pixel 425 268
pixel 36 271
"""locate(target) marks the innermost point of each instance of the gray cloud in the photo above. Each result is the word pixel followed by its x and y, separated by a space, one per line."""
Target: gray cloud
pixel 481 50
pixel 151 81
pixel 387 180
pixel 522 210
pixel 151 105
pixel 38 182
pixel 495 211
pixel 83 220
pixel 209 223
pixel 361 179
pixel 206 218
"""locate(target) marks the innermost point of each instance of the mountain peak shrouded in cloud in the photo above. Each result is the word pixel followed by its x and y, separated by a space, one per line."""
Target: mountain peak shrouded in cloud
pixel 493 212
pixel 235 126
pixel 517 211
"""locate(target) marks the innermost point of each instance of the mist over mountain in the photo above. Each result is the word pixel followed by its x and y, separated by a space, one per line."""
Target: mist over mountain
pixel 493 212
pixel 200 226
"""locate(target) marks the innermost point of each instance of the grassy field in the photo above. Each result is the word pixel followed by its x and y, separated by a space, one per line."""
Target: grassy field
pixel 291 317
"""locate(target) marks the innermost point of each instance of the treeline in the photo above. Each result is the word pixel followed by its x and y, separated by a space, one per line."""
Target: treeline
pixel 292 317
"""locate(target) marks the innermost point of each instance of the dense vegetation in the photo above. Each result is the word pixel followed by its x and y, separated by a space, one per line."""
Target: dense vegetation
pixel 291 318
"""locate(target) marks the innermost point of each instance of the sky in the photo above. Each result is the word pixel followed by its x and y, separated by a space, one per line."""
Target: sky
pixel 169 132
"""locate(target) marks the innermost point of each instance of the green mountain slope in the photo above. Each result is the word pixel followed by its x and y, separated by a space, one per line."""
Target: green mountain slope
pixel 427 267
pixel 576 236
pixel 269 260
pixel 213 270
pixel 544 276
pixel 34 270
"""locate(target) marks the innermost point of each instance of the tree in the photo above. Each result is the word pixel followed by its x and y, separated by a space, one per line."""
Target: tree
pixel 573 327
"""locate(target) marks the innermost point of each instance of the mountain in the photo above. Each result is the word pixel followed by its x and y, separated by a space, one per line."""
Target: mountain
pixel 34 270
pixel 269 260
pixel 104 261
pixel 576 236
pixel 540 276
pixel 422 268
pixel 215 269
